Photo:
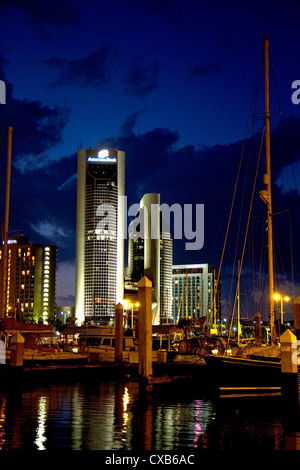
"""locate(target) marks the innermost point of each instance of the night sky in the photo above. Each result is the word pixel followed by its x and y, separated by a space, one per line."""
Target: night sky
pixel 171 83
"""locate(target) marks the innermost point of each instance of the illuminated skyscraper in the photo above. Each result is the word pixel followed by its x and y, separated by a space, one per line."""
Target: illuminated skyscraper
pixel 31 272
pixel 150 254
pixel 99 234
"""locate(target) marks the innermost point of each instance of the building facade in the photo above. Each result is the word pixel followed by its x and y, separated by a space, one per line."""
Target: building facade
pixel 64 313
pixel 31 277
pixel 194 287
pixel 99 234
pixel 166 261
pixel 150 254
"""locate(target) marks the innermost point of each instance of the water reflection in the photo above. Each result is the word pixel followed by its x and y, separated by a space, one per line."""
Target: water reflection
pixel 76 420
pixel 2 422
pixel 113 416
pixel 41 426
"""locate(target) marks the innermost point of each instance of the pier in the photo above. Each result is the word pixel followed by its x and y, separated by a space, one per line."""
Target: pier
pixel 229 376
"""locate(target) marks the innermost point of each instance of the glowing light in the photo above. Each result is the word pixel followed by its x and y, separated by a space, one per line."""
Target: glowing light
pixel 103 153
pixel 41 427
pixel 102 157
pixel 126 399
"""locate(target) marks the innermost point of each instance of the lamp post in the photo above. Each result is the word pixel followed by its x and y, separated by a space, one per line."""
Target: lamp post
pixel 128 305
pixel 286 299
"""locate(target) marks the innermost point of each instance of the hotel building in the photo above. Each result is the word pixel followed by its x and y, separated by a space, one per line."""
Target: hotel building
pixel 194 286
pixel 31 274
pixel 99 235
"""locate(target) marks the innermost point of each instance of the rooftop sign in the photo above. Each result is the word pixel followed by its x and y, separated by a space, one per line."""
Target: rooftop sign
pixel 102 157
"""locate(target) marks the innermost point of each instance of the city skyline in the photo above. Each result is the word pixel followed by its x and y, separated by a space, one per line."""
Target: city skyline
pixel 169 83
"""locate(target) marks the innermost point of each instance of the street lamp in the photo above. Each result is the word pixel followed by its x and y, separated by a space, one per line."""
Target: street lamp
pixel 286 299
pixel 129 304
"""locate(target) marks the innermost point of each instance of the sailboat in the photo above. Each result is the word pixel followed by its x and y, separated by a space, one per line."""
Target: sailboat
pixel 256 366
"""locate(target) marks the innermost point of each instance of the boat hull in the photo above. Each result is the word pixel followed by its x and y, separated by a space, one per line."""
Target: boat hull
pixel 238 371
pixel 33 358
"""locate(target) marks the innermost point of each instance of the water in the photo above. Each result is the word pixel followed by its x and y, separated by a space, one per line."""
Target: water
pixel 111 415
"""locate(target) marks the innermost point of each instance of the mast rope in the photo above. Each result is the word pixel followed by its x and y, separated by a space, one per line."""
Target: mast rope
pixel 247 228
pixel 254 99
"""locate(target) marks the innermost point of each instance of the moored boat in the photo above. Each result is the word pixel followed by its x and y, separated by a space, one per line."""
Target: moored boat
pixel 257 365
pixel 40 345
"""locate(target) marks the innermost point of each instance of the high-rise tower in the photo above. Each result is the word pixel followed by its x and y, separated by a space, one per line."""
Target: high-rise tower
pixel 99 234
pixel 150 254
pixel 194 288
pixel 31 274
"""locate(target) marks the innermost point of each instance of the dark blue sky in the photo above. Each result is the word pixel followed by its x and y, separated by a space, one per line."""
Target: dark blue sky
pixel 170 82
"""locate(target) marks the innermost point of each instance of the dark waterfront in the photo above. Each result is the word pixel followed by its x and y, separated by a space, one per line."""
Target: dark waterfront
pixel 110 415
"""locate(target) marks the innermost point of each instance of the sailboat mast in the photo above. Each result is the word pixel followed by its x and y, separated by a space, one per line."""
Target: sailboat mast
pixel 267 181
pixel 5 228
pixel 238 306
pixel 186 295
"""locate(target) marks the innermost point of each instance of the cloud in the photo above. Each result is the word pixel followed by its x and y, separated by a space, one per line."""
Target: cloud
pixel 147 155
pixel 69 181
pixel 43 204
pixel 141 77
pixel 127 127
pixel 99 69
pixel 204 69
pixel 50 231
pixel 53 13
pixel 37 128
pixel 93 70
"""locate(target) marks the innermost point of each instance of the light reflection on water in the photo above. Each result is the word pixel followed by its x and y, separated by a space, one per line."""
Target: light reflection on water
pixel 40 440
pixel 112 416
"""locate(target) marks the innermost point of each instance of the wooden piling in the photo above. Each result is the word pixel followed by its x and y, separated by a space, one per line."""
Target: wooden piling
pixel 145 368
pixel 17 350
pixel 119 311
pixel 289 365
